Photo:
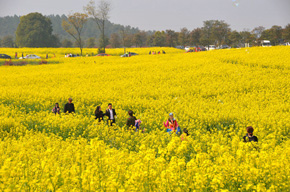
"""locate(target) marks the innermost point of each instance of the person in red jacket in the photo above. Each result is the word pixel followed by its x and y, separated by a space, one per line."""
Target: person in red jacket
pixel 171 124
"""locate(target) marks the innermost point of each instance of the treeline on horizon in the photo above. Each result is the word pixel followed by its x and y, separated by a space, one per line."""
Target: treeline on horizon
pixel 213 32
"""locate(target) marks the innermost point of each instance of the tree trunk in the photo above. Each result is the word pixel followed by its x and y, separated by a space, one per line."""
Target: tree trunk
pixel 81 47
pixel 103 36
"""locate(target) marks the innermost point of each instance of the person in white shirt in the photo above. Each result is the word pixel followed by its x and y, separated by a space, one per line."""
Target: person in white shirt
pixel 111 114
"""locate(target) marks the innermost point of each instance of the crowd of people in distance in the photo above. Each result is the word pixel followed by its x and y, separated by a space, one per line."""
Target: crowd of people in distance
pixel 134 124
pixel 71 55
pixel 155 53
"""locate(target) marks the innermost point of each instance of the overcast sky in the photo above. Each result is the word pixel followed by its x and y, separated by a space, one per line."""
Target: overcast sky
pixel 168 14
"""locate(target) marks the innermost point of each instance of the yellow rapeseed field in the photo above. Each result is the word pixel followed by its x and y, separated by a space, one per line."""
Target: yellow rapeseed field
pixel 215 95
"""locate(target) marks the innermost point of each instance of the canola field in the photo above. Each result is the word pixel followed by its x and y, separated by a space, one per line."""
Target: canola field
pixel 215 95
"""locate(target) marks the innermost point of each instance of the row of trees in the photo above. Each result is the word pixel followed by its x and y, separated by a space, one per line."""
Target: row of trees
pixel 8 41
pixel 9 25
pixel 213 32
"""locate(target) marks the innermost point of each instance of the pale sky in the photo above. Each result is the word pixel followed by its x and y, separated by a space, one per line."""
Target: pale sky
pixel 168 14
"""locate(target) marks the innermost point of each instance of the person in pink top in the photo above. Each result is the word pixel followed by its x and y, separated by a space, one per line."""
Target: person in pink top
pixel 171 124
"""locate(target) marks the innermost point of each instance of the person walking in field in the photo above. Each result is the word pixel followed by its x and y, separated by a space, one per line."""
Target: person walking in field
pixel 111 114
pixel 56 109
pixel 171 124
pixel 99 115
pixel 131 120
pixel 69 107
pixel 249 136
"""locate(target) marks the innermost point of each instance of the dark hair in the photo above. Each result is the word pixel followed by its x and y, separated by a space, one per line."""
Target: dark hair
pixel 250 130
pixel 130 112
pixel 185 131
pixel 97 110
pixel 109 104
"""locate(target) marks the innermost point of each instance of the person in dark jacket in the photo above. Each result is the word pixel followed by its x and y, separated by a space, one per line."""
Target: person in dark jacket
pixel 249 136
pixel 131 119
pixel 111 114
pixel 69 107
pixel 99 114
pixel 56 109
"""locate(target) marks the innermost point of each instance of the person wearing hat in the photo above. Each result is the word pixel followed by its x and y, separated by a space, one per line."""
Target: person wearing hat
pixel 69 107
pixel 171 124
pixel 249 136
pixel 56 109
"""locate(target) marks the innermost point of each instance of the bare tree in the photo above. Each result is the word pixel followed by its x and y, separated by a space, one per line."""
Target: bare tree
pixel 100 14
pixel 74 26
pixel 123 34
